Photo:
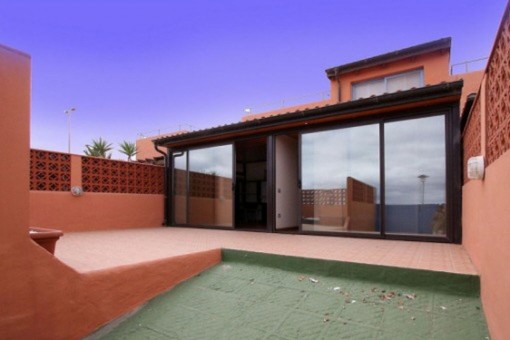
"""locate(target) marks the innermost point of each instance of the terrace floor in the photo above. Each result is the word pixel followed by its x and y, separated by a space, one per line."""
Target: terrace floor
pixel 97 250
pixel 283 286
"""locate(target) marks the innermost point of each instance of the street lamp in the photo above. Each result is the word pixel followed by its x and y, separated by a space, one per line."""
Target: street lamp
pixel 68 114
pixel 423 178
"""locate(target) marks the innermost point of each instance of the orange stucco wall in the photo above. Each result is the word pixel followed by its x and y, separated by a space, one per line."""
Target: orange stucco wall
pixel 146 150
pixel 485 203
pixel 472 81
pixel 486 236
pixel 435 66
pixel 145 146
pixel 94 211
pixel 40 297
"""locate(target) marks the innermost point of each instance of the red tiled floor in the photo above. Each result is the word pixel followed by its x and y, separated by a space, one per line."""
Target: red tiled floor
pixel 89 251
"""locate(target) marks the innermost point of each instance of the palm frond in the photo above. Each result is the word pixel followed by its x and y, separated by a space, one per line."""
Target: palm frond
pixel 129 149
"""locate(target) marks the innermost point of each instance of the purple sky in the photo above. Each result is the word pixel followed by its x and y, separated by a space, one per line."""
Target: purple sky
pixel 139 66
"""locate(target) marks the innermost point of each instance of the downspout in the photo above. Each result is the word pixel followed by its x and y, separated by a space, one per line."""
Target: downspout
pixel 165 184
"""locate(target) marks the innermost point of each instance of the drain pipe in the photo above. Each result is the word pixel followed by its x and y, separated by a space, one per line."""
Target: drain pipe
pixel 165 184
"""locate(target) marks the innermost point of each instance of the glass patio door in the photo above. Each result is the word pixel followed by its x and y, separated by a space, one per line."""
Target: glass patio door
pixel 415 177
pixel 202 187
pixel 340 175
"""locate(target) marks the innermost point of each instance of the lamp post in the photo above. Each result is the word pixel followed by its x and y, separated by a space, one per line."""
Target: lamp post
pixel 68 114
pixel 423 178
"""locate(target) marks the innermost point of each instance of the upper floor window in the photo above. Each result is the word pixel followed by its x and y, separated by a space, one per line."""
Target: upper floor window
pixel 392 83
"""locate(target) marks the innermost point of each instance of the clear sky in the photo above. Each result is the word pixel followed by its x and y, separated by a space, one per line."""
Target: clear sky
pixel 132 66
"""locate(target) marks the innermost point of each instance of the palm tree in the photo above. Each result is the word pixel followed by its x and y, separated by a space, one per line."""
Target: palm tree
pixel 99 148
pixel 128 149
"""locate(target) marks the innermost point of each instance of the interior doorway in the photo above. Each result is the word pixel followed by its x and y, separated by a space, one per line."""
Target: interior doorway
pixel 251 184
pixel 287 183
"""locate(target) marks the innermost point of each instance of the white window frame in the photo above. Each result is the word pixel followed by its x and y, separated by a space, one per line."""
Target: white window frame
pixel 385 81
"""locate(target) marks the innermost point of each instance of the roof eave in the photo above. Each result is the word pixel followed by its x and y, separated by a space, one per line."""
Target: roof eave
pixel 387 100
pixel 432 46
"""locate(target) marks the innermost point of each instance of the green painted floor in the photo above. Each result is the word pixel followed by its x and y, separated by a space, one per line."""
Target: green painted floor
pixel 257 296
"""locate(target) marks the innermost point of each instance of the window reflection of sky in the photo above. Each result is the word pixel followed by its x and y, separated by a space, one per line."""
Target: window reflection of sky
pixel 329 157
pixel 213 160
pixel 180 160
pixel 413 148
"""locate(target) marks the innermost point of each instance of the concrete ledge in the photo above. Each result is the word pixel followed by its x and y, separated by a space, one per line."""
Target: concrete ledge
pixel 416 278
pixel 105 295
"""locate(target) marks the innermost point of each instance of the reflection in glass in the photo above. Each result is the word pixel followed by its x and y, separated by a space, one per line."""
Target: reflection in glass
pixel 179 187
pixel 415 180
pixel 340 179
pixel 210 186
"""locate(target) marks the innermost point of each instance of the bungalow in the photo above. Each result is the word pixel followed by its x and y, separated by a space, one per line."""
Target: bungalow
pixel 381 158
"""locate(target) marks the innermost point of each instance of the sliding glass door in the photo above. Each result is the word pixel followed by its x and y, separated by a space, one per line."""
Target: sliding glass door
pixel 344 189
pixel 415 176
pixel 386 177
pixel 202 186
pixel 340 176
pixel 180 183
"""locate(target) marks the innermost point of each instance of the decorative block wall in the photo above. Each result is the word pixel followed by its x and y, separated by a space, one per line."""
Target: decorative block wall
pixel 324 196
pixel 50 171
pixel 202 185
pixel 108 176
pixel 498 96
pixel 496 110
pixel 356 191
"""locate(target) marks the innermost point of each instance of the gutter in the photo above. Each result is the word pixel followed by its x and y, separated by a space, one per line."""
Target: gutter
pixel 416 95
pixel 165 185
pixel 466 113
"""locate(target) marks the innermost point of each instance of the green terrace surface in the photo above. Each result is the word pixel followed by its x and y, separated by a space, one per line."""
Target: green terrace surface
pixel 260 296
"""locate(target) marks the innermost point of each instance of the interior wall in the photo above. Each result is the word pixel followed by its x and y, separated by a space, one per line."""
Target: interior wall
pixel 286 182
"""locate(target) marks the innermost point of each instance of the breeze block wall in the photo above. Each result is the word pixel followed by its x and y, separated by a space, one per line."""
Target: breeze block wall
pixel 116 194
pixel 485 213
